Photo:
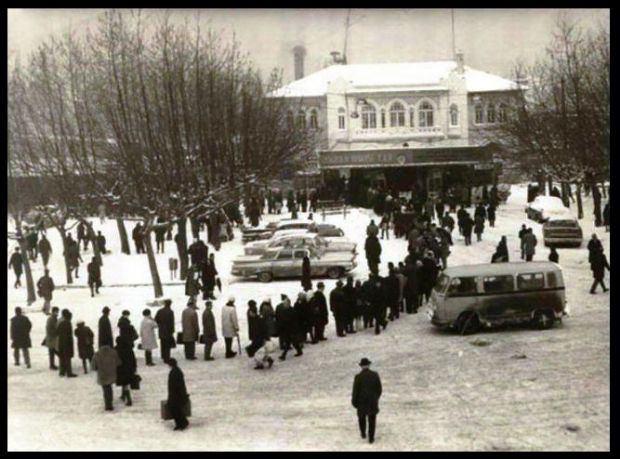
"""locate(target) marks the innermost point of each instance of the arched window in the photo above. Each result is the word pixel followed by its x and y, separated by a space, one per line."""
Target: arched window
pixel 314 121
pixel 289 119
pixel 341 118
pixel 479 114
pixel 491 113
pixel 397 115
pixel 425 115
pixel 501 113
pixel 369 117
pixel 454 115
pixel 301 119
pixel 411 117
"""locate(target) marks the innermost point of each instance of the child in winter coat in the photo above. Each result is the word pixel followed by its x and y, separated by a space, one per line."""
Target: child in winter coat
pixel 85 343
pixel 263 357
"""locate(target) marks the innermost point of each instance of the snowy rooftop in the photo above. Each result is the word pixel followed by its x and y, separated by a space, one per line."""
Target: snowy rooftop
pixel 394 77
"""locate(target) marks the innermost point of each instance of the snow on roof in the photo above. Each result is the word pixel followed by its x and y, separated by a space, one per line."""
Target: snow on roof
pixel 392 76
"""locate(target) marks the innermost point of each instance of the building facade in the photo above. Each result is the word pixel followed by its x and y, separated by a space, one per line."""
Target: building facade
pixel 418 126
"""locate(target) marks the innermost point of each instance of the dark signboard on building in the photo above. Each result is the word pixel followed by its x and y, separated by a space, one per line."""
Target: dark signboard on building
pixel 405 157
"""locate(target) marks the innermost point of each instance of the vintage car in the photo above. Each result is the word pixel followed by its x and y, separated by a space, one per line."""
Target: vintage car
pixel 328 230
pixel 562 231
pixel 469 297
pixel 286 262
pixel 307 239
pixel 544 207
pixel 250 233
pixel 288 226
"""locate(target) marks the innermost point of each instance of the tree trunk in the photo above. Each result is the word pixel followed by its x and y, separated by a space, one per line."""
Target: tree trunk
pixel 159 292
pixel 27 272
pixel 549 184
pixel 579 202
pixel 63 237
pixel 122 231
pixel 182 248
pixel 596 197
pixel 604 190
pixel 565 199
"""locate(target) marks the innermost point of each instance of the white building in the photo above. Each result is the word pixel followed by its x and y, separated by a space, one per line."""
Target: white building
pixel 408 124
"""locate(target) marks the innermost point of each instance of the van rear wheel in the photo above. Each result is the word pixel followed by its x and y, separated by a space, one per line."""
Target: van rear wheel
pixel 334 273
pixel 543 319
pixel 468 323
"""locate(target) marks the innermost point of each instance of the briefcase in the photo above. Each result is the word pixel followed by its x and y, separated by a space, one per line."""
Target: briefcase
pixel 180 338
pixel 165 413
pixel 135 382
pixel 201 339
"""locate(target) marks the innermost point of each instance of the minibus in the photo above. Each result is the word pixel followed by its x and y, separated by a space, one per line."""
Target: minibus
pixel 467 298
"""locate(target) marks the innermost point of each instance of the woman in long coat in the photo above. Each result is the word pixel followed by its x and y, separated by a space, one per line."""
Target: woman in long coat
pixel 148 339
pixel 127 369
pixel 306 282
pixel 268 314
pixel 85 343
pixel 65 344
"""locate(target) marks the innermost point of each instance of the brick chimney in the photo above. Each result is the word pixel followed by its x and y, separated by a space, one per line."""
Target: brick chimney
pixel 299 52
pixel 460 62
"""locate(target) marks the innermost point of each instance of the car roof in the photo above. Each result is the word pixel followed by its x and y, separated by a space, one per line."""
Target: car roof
pixel 490 269
pixel 552 201
pixel 290 222
pixel 299 234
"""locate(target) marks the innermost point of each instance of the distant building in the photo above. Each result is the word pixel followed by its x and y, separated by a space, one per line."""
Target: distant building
pixel 409 125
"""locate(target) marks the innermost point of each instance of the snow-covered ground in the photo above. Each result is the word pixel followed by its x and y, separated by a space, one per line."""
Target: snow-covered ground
pixel 440 391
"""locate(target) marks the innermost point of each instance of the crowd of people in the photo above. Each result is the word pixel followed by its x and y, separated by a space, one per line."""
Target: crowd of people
pixel 355 305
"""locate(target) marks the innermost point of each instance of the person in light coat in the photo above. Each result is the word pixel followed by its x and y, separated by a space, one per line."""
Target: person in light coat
pixel 263 357
pixel 230 325
pixel 51 336
pixel 106 361
pixel 189 324
pixel 147 336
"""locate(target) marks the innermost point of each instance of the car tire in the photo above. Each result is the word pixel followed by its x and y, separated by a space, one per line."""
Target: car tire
pixel 334 273
pixel 468 323
pixel 265 277
pixel 543 319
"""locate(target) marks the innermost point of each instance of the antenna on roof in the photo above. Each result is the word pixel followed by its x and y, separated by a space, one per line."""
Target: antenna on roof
pixel 453 41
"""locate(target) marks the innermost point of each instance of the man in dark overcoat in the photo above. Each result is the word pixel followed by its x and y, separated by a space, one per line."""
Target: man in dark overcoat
pixel 365 398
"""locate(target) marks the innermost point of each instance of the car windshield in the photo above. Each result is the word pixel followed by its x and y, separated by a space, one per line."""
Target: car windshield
pixel 442 283
pixel 269 255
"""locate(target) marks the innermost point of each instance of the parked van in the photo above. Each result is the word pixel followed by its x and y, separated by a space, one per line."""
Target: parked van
pixel 469 297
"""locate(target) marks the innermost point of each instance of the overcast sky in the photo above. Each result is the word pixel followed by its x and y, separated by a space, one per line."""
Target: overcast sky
pixel 492 40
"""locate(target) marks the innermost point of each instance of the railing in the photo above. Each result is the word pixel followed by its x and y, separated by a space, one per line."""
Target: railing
pixel 397 132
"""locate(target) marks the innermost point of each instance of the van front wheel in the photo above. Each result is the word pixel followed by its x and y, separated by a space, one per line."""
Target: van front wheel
pixel 543 319
pixel 468 323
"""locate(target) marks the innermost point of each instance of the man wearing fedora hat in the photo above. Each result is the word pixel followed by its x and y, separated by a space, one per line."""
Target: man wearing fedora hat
pixel 365 398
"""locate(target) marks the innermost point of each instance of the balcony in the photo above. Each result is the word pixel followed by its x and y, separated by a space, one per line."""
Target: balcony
pixel 398 133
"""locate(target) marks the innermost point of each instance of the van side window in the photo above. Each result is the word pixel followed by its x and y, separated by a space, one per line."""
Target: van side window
pixel 498 284
pixel 462 286
pixel 530 281
pixel 552 280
